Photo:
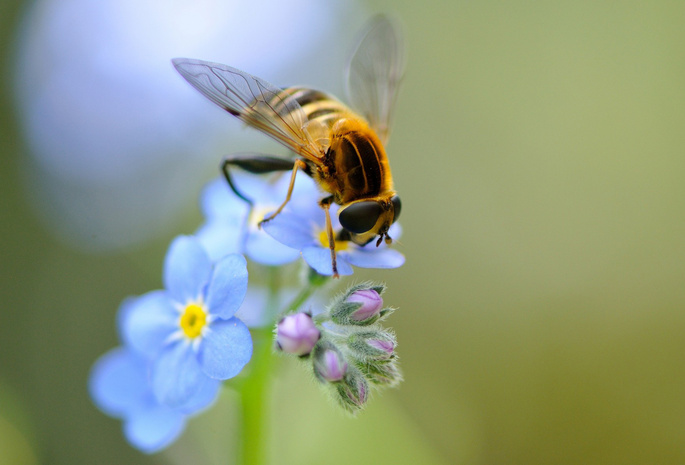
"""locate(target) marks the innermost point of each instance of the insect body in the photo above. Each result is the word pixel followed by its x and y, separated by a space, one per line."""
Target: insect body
pixel 341 150
pixel 353 167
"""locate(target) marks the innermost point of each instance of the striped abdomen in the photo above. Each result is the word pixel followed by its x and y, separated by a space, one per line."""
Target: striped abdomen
pixel 318 105
pixel 356 158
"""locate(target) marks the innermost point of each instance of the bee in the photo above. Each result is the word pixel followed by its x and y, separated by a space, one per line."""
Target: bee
pixel 342 150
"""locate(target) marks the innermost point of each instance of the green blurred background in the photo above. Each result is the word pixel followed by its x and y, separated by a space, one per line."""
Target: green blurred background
pixel 539 148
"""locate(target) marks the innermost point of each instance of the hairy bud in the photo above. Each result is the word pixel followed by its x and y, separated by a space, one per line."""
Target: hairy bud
pixel 373 345
pixel 353 391
pixel 297 334
pixel 360 305
pixel 370 304
pixel 329 363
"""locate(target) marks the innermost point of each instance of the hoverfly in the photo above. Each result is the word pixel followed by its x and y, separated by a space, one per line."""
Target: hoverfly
pixel 341 150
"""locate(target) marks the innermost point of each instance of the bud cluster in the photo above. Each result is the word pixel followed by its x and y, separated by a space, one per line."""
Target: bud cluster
pixel 346 347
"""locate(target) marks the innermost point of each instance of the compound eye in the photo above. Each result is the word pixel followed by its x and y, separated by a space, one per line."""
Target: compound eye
pixel 397 205
pixel 361 216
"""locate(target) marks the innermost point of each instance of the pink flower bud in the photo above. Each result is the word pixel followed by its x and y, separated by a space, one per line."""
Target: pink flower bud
pixel 355 392
pixel 386 346
pixel 331 366
pixel 297 334
pixel 372 303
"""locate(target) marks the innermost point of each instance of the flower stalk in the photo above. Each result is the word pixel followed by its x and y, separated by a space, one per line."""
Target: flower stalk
pixel 255 391
pixel 255 394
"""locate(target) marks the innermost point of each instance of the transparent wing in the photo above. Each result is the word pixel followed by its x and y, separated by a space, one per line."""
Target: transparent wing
pixel 253 100
pixel 375 71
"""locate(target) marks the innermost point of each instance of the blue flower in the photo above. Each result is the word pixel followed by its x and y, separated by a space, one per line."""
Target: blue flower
pixel 189 330
pixel 228 229
pixel 304 229
pixel 120 387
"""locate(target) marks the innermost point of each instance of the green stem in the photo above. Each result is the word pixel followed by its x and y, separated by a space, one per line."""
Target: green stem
pixel 315 281
pixel 255 389
pixel 254 395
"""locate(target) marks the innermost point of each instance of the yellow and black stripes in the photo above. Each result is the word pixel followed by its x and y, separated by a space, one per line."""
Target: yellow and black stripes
pixel 317 106
pixel 355 165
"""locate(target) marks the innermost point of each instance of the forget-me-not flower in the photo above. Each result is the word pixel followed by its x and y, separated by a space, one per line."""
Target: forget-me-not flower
pixel 230 226
pixel 188 329
pixel 304 229
pixel 119 385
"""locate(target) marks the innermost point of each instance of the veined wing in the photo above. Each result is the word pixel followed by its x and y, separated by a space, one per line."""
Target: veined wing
pixel 374 73
pixel 253 100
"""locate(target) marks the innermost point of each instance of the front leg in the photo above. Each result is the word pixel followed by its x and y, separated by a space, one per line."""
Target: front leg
pixel 326 205
pixel 296 164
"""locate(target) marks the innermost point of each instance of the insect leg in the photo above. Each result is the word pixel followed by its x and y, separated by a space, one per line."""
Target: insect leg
pixel 253 163
pixel 296 164
pixel 326 205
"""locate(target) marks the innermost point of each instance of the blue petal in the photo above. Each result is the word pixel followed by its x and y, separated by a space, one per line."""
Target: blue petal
pixel 226 349
pixel 335 222
pixel 304 192
pixel 176 375
pixel 220 237
pixel 228 286
pixel 395 231
pixel 265 250
pixel 205 396
pixel 118 382
pixel 146 322
pixel 320 259
pixel 154 428
pixel 218 201
pixel 186 269
pixel 293 230
pixel 383 258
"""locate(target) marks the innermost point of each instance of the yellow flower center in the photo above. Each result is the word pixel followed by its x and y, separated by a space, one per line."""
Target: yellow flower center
pixel 193 320
pixel 339 245
pixel 258 213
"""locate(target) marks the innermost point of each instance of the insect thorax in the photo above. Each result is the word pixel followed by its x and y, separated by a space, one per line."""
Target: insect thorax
pixel 355 165
pixel 358 160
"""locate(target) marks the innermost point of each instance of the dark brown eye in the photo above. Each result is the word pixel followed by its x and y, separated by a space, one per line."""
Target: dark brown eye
pixel 361 216
pixel 397 205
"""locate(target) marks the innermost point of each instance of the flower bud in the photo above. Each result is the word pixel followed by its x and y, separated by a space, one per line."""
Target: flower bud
pixel 329 363
pixel 370 304
pixel 372 345
pixel 353 392
pixel 361 305
pixel 297 334
pixel 382 373
pixel 386 346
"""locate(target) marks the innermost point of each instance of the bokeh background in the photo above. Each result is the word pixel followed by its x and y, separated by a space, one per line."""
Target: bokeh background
pixel 539 148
